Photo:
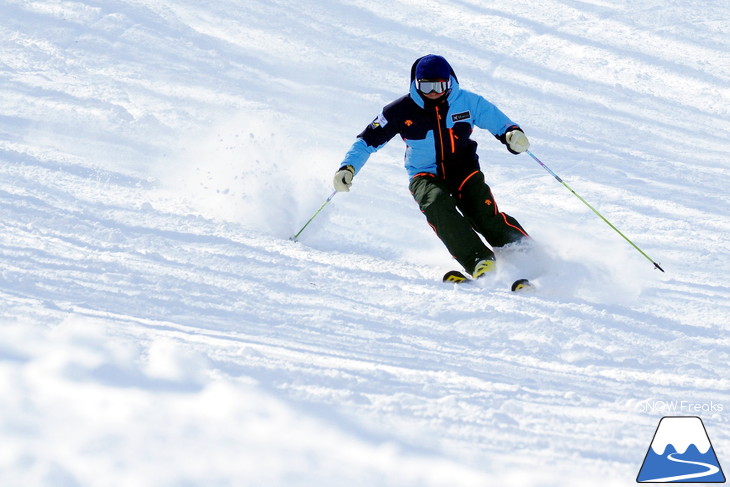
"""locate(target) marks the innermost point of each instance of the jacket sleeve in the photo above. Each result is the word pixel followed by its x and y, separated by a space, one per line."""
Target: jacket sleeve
pixel 491 118
pixel 369 141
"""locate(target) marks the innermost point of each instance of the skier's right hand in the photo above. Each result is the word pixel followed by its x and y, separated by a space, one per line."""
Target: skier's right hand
pixel 343 178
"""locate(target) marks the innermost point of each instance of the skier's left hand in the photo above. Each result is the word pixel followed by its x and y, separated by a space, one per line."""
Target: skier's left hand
pixel 517 140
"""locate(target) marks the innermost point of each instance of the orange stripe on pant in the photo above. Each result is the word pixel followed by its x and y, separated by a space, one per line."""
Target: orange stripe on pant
pixel 504 217
pixel 467 179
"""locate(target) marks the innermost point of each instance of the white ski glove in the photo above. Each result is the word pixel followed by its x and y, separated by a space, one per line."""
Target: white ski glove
pixel 343 178
pixel 517 140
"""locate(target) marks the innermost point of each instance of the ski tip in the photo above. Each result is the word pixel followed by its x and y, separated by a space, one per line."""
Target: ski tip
pixel 657 266
pixel 522 285
pixel 454 277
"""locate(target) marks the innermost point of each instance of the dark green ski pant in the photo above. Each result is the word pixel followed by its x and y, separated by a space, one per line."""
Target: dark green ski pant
pixel 457 214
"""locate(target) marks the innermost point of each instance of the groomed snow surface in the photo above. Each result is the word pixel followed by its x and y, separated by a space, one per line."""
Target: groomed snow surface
pixel 159 328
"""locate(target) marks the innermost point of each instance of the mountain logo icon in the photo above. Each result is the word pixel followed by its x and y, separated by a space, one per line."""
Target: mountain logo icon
pixel 681 452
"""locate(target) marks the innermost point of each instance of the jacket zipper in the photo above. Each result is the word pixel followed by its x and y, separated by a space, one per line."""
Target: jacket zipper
pixel 441 135
pixel 442 141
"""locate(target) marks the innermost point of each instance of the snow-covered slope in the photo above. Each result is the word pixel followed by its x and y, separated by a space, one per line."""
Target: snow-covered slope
pixel 160 328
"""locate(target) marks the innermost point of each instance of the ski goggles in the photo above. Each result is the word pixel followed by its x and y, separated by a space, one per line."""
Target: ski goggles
pixel 427 86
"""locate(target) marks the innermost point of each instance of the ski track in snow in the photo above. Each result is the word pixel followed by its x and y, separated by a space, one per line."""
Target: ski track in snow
pixel 156 156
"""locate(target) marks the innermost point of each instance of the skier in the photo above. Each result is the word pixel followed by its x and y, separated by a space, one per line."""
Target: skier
pixel 435 120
